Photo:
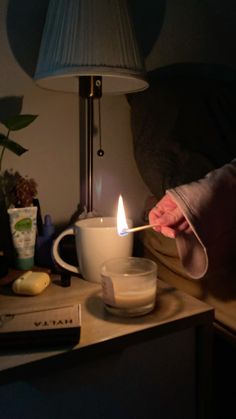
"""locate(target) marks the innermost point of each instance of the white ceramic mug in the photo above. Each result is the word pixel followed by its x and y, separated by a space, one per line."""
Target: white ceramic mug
pixel 96 241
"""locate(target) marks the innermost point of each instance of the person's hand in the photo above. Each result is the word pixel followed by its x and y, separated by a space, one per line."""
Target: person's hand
pixel 168 218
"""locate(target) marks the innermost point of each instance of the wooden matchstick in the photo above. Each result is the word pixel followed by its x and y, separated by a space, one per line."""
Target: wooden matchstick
pixel 134 229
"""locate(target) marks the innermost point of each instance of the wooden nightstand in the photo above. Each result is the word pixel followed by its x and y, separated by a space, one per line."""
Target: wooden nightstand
pixel 155 366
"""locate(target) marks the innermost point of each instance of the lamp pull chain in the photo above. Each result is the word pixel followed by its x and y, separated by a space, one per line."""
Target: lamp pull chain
pixel 100 151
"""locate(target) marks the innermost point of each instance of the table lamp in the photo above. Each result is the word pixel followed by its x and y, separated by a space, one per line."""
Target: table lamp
pixel 89 47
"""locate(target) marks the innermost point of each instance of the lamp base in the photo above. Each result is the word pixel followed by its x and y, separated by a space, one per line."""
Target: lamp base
pixel 82 212
pixel 89 214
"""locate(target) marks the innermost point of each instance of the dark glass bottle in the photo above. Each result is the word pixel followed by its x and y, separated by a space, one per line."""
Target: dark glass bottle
pixel 3 265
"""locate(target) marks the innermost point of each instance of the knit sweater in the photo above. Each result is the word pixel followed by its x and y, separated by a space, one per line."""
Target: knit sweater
pixel 209 205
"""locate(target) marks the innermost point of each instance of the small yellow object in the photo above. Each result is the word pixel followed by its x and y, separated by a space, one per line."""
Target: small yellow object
pixel 31 283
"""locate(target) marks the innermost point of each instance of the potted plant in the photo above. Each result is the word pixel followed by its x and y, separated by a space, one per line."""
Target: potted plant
pixel 11 183
pixel 16 190
pixel 17 194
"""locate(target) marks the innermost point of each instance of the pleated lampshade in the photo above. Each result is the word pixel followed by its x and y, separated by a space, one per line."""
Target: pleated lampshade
pixel 90 37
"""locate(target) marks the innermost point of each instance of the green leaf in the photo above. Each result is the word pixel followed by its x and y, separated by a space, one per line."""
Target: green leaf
pixel 12 145
pixel 17 122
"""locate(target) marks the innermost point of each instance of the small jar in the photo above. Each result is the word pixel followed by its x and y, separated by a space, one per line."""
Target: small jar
pixel 129 286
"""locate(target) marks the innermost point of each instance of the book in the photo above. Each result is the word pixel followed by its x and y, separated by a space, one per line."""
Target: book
pixel 51 326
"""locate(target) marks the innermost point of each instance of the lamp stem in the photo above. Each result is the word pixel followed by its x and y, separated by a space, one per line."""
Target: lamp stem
pixel 83 151
pixel 90 153
pixel 90 88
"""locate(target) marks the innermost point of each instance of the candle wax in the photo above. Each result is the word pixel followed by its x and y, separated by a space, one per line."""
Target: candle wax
pixel 129 299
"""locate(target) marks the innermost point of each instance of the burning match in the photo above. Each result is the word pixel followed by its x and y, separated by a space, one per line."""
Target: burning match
pixel 134 229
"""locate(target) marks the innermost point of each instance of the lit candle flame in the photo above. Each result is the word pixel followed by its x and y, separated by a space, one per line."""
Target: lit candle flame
pixel 122 225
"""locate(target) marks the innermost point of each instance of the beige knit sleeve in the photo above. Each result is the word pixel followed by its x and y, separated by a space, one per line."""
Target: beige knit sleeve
pixel 209 205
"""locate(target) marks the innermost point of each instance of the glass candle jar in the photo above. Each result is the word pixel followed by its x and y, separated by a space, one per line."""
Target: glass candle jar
pixel 129 285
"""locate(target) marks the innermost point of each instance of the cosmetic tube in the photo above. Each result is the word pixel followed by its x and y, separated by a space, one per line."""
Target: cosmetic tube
pixel 23 223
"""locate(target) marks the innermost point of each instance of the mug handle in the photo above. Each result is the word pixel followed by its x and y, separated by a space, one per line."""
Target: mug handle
pixel 57 257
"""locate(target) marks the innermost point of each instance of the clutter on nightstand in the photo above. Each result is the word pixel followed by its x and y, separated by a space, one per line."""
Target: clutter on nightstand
pixel 65 279
pixel 31 283
pixel 42 327
pixel 3 265
pixel 44 242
